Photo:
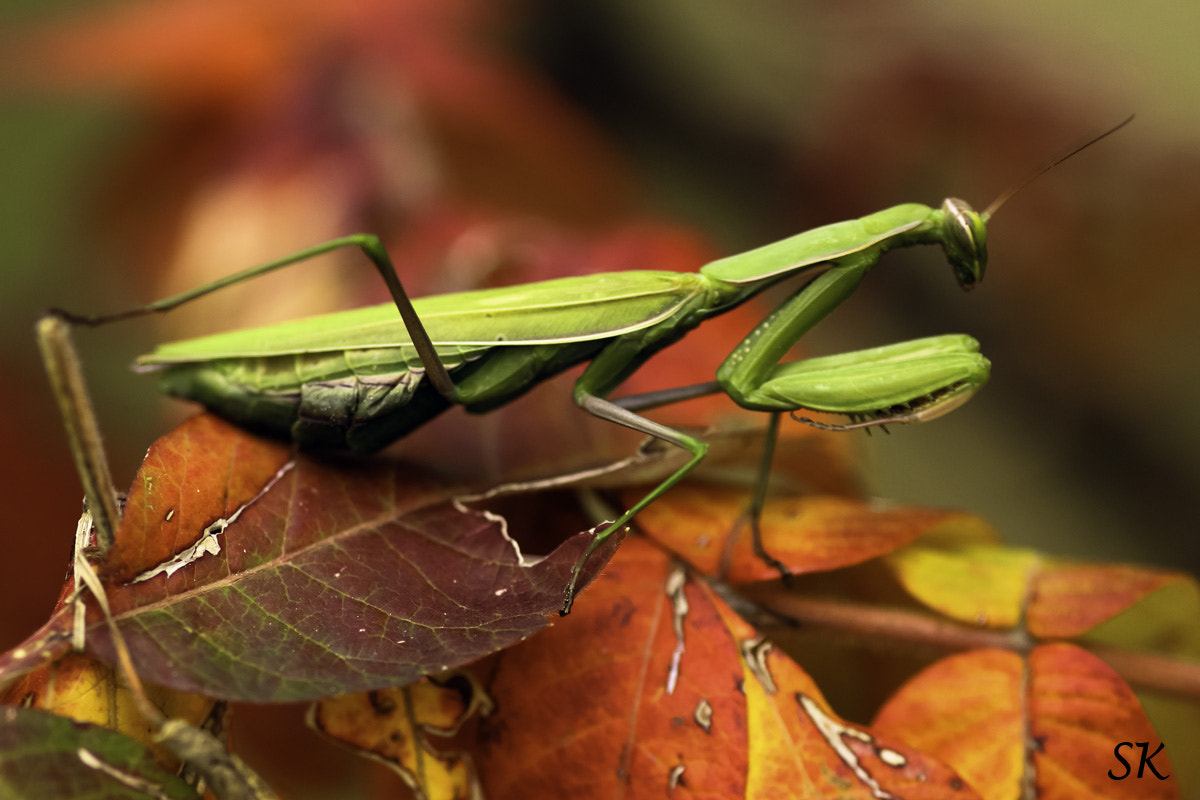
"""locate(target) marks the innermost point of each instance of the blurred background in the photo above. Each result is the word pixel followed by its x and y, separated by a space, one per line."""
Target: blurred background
pixel 148 147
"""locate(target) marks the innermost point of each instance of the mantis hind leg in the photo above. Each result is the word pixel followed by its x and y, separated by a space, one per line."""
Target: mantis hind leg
pixel 614 412
pixel 608 410
pixel 371 247
pixel 753 514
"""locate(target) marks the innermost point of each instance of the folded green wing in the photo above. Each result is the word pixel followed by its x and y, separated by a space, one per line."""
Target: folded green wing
pixel 558 311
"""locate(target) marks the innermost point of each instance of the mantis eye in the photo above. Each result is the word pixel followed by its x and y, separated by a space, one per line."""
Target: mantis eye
pixel 964 237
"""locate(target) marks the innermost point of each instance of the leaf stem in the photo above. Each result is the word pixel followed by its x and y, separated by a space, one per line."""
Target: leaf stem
pixel 868 624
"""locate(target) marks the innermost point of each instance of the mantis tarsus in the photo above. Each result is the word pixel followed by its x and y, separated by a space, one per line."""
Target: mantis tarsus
pixel 361 379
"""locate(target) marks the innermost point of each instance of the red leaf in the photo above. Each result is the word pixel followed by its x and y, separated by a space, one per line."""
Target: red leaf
pixel 331 577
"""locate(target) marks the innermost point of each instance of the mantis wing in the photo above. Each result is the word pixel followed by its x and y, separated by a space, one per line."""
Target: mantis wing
pixel 565 310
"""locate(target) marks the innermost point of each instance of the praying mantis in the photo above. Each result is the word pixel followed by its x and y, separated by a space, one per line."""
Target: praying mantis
pixel 363 378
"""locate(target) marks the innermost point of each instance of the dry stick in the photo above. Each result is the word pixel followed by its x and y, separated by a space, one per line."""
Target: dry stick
pixel 79 421
pixel 870 624
pixel 1153 671
pixel 226 774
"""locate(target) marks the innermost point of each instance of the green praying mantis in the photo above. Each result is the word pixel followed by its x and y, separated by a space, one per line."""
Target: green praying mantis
pixel 361 379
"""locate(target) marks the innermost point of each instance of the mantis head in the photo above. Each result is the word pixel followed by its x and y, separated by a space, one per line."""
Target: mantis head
pixel 964 230
pixel 964 238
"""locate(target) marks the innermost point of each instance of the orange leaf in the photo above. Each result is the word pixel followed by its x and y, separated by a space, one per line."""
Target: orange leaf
pixel 653 685
pixel 1079 712
pixel 612 695
pixel 1054 719
pixel 1070 599
pixel 798 743
pixel 208 473
pixel 966 710
pixel 706 526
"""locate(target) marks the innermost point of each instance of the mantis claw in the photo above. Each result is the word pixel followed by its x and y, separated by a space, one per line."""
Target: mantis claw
pixel 856 422
pixel 577 570
pixel 569 594
pixel 785 572
pixel 895 384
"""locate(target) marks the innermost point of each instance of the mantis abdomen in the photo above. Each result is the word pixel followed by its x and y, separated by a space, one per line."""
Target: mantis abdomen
pixel 362 400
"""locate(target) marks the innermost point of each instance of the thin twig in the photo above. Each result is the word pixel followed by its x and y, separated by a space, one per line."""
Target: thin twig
pixel 870 624
pixel 79 421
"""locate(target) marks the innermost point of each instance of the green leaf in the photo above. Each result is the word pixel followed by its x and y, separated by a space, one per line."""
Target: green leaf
pixel 46 757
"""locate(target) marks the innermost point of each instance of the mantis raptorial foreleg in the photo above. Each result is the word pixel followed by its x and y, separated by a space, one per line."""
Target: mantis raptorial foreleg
pixel 918 376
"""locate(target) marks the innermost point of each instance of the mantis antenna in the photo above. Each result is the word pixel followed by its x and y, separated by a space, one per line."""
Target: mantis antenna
pixel 1040 171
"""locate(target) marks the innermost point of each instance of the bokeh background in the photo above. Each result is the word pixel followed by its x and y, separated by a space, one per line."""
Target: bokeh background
pixel 147 145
